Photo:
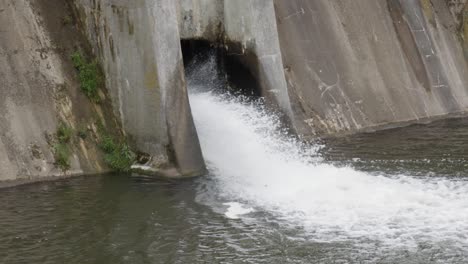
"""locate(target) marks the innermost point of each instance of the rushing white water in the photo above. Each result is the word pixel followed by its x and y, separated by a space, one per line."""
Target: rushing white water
pixel 256 164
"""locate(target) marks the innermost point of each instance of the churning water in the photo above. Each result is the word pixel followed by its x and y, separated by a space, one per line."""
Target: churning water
pixel 257 166
pixel 398 196
pixel 264 169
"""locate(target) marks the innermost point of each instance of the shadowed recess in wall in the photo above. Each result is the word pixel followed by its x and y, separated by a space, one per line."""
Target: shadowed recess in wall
pixel 231 68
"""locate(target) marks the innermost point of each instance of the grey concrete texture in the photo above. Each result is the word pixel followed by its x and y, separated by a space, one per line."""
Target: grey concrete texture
pixel 138 44
pixel 253 23
pixel 247 29
pixel 332 66
pixel 338 67
pixel 200 19
pixel 39 89
pixel 370 64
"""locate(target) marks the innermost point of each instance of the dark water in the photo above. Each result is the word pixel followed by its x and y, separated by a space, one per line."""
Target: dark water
pixel 125 219
pixel 435 149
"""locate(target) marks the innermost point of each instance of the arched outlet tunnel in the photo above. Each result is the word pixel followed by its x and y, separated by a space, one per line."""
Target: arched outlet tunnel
pixel 237 70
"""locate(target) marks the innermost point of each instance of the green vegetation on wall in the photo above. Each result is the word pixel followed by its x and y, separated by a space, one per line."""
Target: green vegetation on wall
pixel 463 29
pixel 89 76
pixel 61 147
pixel 118 155
pixel 64 133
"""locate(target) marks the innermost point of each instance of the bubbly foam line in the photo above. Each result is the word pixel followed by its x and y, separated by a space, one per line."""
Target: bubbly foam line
pixel 235 210
pixel 255 163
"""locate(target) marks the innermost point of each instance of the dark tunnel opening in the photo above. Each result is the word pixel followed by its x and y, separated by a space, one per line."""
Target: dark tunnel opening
pixel 236 69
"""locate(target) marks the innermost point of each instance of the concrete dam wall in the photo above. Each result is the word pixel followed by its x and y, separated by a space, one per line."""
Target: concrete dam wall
pixel 332 67
pixel 138 45
pixel 360 65
pixel 40 97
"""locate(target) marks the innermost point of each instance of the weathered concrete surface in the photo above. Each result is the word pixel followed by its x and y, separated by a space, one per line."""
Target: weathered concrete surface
pixel 39 89
pixel 138 44
pixel 332 66
pixel 459 11
pixel 456 7
pixel 247 29
pixel 369 64
pixel 347 65
pixel 201 19
pixel 253 23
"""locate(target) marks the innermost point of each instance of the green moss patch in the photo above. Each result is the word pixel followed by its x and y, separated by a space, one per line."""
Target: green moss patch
pixel 61 148
pixel 64 133
pixel 89 76
pixel 118 155
pixel 62 156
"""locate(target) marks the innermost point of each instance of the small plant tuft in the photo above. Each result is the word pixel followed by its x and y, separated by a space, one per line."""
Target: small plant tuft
pixel 107 144
pixel 61 149
pixel 62 156
pixel 82 132
pixel 118 156
pixel 89 76
pixel 64 133
pixel 121 158
pixel 67 20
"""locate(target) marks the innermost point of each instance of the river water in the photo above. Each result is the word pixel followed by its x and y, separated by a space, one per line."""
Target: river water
pixel 397 196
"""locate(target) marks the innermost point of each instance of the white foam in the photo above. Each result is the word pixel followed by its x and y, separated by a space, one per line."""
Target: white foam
pixel 236 210
pixel 258 165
